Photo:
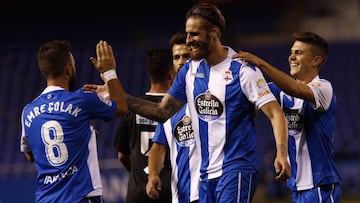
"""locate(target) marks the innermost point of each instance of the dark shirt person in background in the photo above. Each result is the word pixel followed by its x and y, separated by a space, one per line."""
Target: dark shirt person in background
pixel 134 135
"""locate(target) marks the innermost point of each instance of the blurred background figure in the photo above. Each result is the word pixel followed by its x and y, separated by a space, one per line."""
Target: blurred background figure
pixel 134 136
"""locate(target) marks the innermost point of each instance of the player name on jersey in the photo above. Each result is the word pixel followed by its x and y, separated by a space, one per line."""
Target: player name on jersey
pixel 50 108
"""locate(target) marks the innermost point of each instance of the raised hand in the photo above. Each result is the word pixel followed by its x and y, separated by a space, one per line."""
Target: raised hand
pixel 105 59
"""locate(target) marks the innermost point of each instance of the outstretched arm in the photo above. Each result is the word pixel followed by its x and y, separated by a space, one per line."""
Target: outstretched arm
pixel 279 124
pixel 160 112
pixel 156 163
pixel 286 83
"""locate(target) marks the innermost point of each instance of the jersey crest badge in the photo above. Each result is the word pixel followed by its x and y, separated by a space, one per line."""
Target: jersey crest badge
pixel 227 76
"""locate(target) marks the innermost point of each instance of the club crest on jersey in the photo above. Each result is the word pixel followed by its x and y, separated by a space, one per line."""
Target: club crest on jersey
pixel 105 100
pixel 183 132
pixel 208 106
pixel 228 76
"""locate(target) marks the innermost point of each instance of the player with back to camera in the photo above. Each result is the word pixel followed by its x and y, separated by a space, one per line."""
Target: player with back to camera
pixel 134 135
pixel 56 126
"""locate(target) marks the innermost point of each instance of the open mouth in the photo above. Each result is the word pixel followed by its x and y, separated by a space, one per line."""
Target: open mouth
pixel 294 65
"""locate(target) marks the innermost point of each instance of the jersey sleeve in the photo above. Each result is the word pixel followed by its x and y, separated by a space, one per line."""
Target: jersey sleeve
pixel 255 86
pixel 24 144
pixel 99 107
pixel 159 136
pixel 323 93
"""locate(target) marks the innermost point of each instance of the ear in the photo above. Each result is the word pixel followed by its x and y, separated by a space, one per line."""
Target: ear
pixel 69 70
pixel 215 32
pixel 318 60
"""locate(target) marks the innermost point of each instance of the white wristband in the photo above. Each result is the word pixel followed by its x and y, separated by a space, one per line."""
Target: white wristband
pixel 109 75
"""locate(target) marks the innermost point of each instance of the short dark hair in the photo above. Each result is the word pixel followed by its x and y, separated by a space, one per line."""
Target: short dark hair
pixel 314 39
pixel 177 38
pixel 209 12
pixel 158 63
pixel 53 56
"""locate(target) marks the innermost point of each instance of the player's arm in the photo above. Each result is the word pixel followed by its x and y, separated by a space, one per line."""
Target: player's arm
pixel 105 64
pixel 29 156
pixel 286 83
pixel 155 162
pixel 279 125
pixel 24 145
pixel 160 112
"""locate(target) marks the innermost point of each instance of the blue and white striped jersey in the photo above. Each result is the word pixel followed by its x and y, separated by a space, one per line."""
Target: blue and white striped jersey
pixel 221 102
pixel 311 129
pixel 56 129
pixel 178 134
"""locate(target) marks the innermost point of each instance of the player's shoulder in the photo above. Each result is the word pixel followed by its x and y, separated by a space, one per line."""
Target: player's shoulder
pixel 83 96
pixel 320 82
pixel 238 62
pixel 84 93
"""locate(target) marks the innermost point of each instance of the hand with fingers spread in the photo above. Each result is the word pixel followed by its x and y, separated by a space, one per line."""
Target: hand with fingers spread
pixel 105 63
pixel 105 58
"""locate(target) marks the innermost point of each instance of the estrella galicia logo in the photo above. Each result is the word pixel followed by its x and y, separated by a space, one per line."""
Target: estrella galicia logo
pixel 295 121
pixel 208 106
pixel 183 132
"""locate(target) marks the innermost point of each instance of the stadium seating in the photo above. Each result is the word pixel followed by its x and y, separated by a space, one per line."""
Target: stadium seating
pixel 21 82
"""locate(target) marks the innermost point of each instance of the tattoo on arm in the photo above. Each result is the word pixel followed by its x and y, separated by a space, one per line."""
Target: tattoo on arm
pixel 155 111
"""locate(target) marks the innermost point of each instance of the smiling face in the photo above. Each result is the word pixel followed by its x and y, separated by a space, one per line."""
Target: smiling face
pixel 303 62
pixel 198 37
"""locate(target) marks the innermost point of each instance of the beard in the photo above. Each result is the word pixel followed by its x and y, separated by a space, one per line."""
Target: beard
pixel 199 50
pixel 72 83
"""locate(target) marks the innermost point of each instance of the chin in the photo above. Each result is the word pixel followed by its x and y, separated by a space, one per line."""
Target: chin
pixel 196 56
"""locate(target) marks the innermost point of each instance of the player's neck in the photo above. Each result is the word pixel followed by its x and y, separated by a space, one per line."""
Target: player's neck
pixel 59 82
pixel 217 56
pixel 159 88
